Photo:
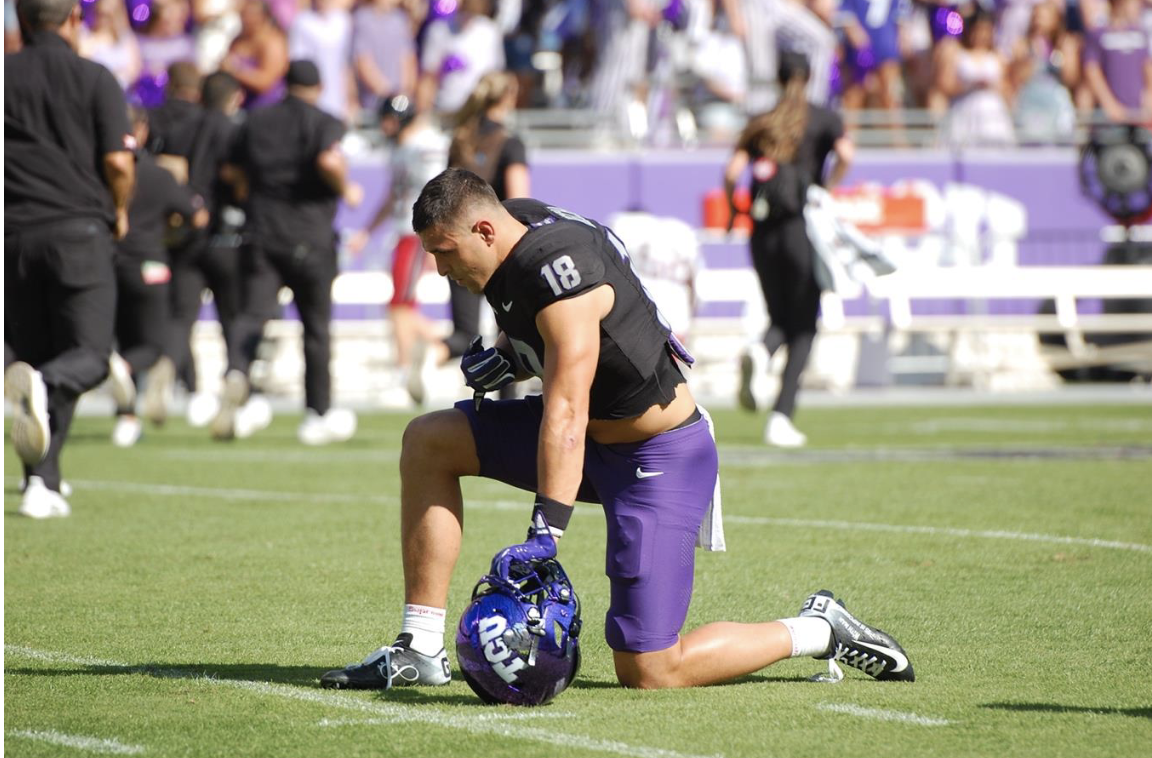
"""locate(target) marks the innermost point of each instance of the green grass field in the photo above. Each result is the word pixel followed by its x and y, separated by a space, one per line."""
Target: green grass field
pixel 190 603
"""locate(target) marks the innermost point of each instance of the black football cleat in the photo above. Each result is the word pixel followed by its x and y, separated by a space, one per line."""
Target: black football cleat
pixel 395 665
pixel 858 645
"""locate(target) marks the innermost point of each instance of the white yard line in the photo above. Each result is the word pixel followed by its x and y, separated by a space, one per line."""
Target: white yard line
pixel 478 723
pixel 512 505
pixel 866 526
pixel 80 742
pixel 878 714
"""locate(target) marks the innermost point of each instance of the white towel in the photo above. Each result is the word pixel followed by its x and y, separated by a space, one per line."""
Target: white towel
pixel 711 536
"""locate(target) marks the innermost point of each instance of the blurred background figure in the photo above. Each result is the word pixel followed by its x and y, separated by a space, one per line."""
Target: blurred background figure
pixel 1045 71
pixel 258 56
pixel 787 149
pixel 870 72
pixel 165 40
pixel 295 173
pixel 323 35
pixel 142 277
pixel 483 144
pixel 196 126
pixel 1117 66
pixel 769 27
pixel 109 40
pixel 68 176
pixel 383 52
pixel 457 52
pixel 419 152
pixel 217 22
pixel 974 78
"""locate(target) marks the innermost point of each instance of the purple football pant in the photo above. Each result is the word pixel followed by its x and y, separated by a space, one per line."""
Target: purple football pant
pixel 655 494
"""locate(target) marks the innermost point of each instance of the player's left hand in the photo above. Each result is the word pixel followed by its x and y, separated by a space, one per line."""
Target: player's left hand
pixel 539 546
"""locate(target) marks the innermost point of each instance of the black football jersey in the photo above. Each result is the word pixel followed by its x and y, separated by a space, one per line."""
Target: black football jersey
pixel 564 255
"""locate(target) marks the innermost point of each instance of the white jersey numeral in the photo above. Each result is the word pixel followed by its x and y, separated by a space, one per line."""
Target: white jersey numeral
pixel 561 274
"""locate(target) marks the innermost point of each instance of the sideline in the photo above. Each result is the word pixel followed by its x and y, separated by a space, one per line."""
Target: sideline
pixel 584 510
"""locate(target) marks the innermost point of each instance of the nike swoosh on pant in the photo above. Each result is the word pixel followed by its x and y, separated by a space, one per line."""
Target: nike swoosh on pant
pixel 641 474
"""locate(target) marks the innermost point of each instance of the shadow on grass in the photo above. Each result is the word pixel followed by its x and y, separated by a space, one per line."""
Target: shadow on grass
pixel 1136 713
pixel 299 676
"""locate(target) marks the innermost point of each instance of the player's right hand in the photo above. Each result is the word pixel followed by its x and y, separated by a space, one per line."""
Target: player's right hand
pixel 487 370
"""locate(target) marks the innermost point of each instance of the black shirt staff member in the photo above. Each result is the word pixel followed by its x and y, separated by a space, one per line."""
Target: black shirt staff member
pixel 290 160
pixel 142 278
pixel 68 174
pixel 786 148
pixel 195 128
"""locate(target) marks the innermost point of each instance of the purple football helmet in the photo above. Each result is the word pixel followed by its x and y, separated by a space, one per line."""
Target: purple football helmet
pixel 518 641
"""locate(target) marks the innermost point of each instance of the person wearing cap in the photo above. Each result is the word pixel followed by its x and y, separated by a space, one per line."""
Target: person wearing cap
pixel 69 169
pixel 419 151
pixel 288 157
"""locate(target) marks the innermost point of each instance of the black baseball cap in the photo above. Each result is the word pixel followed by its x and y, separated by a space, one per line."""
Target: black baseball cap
pixel 302 73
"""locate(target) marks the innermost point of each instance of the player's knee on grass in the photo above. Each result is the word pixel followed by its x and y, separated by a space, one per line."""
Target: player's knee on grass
pixel 654 670
pixel 439 442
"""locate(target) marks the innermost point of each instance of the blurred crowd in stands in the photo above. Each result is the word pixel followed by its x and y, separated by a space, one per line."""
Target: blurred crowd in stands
pixel 995 72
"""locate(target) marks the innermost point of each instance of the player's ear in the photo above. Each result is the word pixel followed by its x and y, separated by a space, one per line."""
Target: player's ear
pixel 486 231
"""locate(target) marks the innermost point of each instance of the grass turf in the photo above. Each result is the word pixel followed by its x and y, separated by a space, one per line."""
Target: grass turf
pixel 192 600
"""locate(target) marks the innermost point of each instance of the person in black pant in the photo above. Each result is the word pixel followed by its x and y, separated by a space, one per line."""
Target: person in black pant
pixel 786 148
pixel 142 277
pixel 194 130
pixel 288 156
pixel 482 144
pixel 68 174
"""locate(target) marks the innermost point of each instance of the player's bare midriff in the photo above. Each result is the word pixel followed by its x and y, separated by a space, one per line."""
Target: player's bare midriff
pixel 657 419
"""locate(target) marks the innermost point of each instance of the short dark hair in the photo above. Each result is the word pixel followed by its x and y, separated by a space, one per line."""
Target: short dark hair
pixel 183 76
pixel 39 15
pixel 448 194
pixel 217 89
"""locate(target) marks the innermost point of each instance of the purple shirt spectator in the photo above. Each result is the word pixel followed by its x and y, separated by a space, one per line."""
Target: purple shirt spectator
pixel 1121 54
pixel 383 52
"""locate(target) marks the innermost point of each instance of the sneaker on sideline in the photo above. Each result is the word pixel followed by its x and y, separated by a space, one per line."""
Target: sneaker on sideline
pixel 337 425
pixel 40 502
pixel 395 665
pixel 256 414
pixel 235 395
pixel 781 433
pixel 202 408
pixel 127 431
pixel 65 487
pixel 856 644
pixel 158 392
pixel 24 388
pixel 121 384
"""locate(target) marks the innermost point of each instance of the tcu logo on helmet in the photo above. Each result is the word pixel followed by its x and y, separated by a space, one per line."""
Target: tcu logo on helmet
pixel 495 651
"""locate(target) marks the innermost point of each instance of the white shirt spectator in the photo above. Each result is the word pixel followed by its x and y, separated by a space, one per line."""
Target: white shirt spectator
pixel 459 55
pixel 324 36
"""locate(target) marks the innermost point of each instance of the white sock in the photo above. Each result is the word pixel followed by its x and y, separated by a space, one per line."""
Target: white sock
pixel 426 625
pixel 811 636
